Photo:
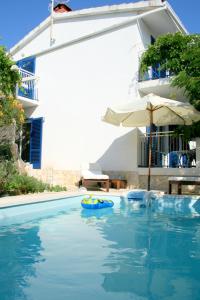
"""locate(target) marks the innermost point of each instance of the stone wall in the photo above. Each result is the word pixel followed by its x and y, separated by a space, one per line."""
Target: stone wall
pixel 63 178
pixel 160 182
pixel 131 177
pixel 8 134
pixel 70 179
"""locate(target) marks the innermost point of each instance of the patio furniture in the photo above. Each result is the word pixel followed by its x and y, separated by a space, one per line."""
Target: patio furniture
pixel 92 173
pixel 151 110
pixel 182 181
pixel 118 183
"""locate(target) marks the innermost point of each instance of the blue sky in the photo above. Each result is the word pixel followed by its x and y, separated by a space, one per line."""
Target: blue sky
pixel 21 16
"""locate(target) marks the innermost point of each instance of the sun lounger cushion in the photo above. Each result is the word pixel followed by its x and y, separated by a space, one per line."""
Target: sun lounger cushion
pixel 92 171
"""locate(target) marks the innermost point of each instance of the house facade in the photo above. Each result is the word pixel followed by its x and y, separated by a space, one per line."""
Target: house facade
pixel 74 65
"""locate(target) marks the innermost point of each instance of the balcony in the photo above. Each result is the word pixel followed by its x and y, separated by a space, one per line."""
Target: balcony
pixel 168 151
pixel 158 82
pixel 153 74
pixel 27 92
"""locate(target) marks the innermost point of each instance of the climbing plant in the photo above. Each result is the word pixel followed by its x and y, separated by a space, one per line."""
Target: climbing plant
pixel 11 109
pixel 180 55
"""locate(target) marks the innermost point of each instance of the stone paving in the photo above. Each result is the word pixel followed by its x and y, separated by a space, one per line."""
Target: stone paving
pixel 48 196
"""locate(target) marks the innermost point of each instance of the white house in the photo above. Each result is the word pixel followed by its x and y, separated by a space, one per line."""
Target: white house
pixel 74 65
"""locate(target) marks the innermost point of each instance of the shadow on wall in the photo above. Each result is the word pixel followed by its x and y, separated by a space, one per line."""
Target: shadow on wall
pixel 122 155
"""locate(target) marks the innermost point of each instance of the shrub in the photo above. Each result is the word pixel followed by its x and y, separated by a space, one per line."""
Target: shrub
pixel 12 183
pixel 23 184
pixel 57 188
pixel 7 168
pixel 5 152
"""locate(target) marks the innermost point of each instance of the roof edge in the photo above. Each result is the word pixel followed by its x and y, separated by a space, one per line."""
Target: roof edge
pixel 176 18
pixel 131 7
pixel 108 9
pixel 126 7
pixel 32 34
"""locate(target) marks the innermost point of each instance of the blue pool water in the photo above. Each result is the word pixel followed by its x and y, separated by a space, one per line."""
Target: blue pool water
pixel 59 251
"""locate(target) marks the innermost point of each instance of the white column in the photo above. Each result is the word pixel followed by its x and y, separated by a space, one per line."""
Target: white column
pixel 198 152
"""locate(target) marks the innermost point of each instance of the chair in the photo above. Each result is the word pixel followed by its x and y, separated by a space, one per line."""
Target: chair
pixel 173 159
pixel 91 172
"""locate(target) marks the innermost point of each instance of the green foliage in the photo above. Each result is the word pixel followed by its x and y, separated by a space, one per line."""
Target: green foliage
pixel 5 152
pixel 12 183
pixel 10 108
pixel 189 132
pixel 7 169
pixel 23 184
pixel 180 54
pixel 8 77
pixel 57 188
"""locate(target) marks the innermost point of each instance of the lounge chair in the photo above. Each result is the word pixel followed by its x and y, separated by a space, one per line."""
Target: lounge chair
pixel 91 172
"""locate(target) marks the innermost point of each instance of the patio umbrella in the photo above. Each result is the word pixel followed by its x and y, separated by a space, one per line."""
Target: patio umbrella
pixel 149 110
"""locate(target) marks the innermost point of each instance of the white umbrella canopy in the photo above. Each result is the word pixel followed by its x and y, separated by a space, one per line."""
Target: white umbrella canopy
pixel 151 109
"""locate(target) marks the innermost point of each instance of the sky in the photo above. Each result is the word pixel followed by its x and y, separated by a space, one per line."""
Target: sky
pixel 21 16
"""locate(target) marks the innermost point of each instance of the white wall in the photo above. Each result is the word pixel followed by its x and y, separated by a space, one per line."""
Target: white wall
pixel 145 34
pixel 66 30
pixel 76 85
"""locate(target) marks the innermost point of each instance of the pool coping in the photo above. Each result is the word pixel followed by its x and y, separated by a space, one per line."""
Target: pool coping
pixel 22 200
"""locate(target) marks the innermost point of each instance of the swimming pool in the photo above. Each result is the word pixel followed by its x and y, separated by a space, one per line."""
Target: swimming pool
pixel 57 251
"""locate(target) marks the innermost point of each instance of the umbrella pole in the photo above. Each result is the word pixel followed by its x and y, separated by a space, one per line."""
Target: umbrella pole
pixel 150 151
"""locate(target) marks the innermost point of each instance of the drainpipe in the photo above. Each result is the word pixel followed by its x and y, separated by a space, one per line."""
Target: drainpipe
pixel 52 40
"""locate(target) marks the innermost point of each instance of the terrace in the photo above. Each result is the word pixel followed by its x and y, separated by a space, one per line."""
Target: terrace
pixel 158 81
pixel 169 151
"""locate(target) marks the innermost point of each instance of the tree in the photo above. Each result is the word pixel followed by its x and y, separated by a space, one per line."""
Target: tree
pixel 11 109
pixel 180 55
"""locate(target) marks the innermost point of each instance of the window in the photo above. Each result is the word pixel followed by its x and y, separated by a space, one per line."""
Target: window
pixel 27 64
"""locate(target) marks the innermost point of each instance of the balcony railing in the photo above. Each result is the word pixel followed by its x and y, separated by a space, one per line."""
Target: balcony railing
pixel 168 151
pixel 28 88
pixel 154 73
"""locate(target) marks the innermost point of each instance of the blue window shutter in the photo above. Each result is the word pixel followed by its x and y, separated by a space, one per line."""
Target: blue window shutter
pixel 36 142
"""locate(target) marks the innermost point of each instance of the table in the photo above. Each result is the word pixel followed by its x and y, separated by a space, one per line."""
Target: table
pixel 118 183
pixel 85 182
pixel 182 181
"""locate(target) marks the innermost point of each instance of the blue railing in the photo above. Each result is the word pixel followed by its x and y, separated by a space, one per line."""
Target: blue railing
pixel 28 88
pixel 154 73
pixel 168 151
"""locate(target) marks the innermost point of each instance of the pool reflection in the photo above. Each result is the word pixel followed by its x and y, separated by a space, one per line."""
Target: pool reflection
pixel 20 250
pixel 145 258
pixel 96 213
